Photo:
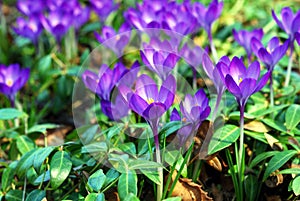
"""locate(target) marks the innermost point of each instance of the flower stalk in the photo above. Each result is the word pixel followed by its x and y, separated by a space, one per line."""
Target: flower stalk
pixel 289 68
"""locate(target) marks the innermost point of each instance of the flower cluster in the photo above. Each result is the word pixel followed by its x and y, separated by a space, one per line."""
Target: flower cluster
pixel 57 17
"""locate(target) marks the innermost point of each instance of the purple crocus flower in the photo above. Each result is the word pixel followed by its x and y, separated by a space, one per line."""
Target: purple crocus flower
pixel 244 38
pixel 195 108
pixel 150 103
pixel 57 23
pixel 29 7
pixel 30 28
pixel 80 14
pixel 12 79
pixel 159 57
pixel 213 73
pixel 272 53
pixel 242 82
pixel 207 15
pixel 118 41
pixel 290 22
pixel 103 8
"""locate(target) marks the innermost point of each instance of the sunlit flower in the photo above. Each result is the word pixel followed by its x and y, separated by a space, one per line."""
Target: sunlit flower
pixel 12 79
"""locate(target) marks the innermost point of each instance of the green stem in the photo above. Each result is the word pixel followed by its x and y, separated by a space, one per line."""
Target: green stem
pixel 158 160
pixel 233 175
pixel 289 68
pixel 241 158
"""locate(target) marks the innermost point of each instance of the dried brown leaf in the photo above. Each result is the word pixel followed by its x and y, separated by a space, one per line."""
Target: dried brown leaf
pixel 273 142
pixel 188 190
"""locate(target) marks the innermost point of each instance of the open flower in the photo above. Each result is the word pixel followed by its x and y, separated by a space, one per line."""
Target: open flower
pixel 103 83
pixel 12 79
pixel 242 82
pixel 57 23
pixel 29 7
pixel 289 21
pixel 30 28
pixel 195 108
pixel 244 38
pixel 158 57
pixel 272 54
pixel 150 103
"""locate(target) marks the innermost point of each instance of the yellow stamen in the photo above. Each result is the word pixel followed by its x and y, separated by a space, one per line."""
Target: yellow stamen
pixel 9 82
pixel 150 100
pixel 240 80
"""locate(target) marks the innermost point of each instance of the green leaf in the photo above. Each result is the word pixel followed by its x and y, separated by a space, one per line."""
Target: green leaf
pixel 14 195
pixel 95 197
pixel 127 184
pixel 278 161
pixel 290 171
pixel 170 128
pixel 259 158
pixel 88 134
pixel 274 124
pixel 96 180
pixel 223 138
pixel 251 187
pixel 11 113
pixel 45 176
pixel 292 116
pixel 25 162
pixel 111 175
pixel 60 167
pixel 36 195
pixel 142 164
pixel 41 156
pixel 131 197
pixel 41 128
pixel 173 199
pixel 119 162
pixel 264 111
pixel 128 147
pixel 296 186
pixel 25 144
pixel 152 175
pixel 7 177
pixel 175 156
pixel 94 148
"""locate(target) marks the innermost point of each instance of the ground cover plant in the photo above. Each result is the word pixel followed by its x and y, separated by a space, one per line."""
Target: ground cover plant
pixel 149 100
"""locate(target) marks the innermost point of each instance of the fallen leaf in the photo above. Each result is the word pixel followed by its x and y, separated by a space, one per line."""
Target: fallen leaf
pixel 274 180
pixel 273 142
pixel 188 190
pixel 55 137
pixel 256 126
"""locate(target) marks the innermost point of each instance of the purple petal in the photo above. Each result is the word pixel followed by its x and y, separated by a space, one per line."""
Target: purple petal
pixel 263 81
pixel 171 60
pixel 256 45
pixel 287 18
pixel 146 88
pixel 205 113
pixel 297 36
pixel 211 14
pixel 207 65
pixel 296 23
pixel 279 52
pixel 253 70
pixel 273 43
pixel 265 56
pixel 237 69
pixel 247 87
pixel 154 111
pixel 195 113
pixel 175 116
pixel 89 79
pixel 232 86
pixel 137 104
pixel 200 97
pixel 277 20
pixel 225 60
